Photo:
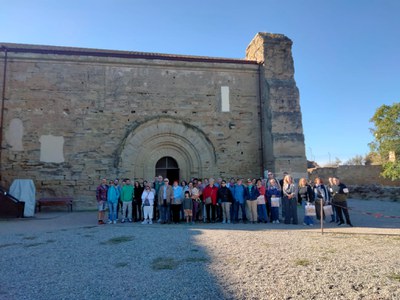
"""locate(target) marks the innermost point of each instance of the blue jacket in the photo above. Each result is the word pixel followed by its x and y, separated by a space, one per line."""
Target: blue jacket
pixel 239 193
pixel 252 193
pixel 113 194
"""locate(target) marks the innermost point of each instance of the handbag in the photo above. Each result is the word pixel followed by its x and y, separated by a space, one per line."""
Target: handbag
pixel 310 210
pixel 261 199
pixel 328 211
pixel 275 201
pixel 208 200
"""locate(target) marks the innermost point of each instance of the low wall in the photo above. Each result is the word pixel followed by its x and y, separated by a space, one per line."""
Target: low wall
pixel 364 182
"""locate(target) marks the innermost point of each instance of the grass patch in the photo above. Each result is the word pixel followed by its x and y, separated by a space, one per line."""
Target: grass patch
pixel 302 262
pixel 164 263
pixel 121 264
pixel 50 241
pixel 194 250
pixel 394 276
pixel 118 240
pixel 30 238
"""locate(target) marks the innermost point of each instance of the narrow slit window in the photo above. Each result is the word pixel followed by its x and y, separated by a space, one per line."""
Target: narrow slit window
pixel 225 98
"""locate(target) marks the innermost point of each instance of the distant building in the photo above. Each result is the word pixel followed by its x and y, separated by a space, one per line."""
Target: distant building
pixel 73 116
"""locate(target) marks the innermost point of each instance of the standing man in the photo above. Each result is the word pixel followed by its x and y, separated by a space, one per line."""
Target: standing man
pixel 158 182
pixel 101 197
pixel 119 188
pixel 127 194
pixel 165 195
pixel 240 202
pixel 112 198
pixel 339 194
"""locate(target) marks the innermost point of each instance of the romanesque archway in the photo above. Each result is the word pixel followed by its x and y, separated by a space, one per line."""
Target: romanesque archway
pixel 166 137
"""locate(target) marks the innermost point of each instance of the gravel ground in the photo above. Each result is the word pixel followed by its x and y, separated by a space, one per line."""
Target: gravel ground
pixel 65 256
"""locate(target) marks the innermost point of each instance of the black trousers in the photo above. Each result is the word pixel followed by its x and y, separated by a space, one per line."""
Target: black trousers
pixel 341 206
pixel 210 210
pixel 137 210
pixel 176 210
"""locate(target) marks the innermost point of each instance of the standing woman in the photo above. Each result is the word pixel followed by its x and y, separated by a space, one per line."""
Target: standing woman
pixel 261 202
pixel 210 200
pixel 137 202
pixel 225 196
pixel 289 190
pixel 148 202
pixel 274 191
pixel 321 194
pixel 305 195
pixel 176 202
pixel 251 194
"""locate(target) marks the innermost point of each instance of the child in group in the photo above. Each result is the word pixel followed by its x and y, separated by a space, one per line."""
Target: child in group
pixel 188 207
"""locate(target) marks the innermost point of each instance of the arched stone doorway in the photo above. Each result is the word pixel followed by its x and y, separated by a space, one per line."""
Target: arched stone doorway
pixel 150 141
pixel 167 167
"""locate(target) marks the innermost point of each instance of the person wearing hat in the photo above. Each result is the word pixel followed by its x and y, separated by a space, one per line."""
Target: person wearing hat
pixel 165 195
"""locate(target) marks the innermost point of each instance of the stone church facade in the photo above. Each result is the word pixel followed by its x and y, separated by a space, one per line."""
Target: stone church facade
pixel 72 116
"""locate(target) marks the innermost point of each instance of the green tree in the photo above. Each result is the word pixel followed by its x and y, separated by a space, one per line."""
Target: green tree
pixel 387 139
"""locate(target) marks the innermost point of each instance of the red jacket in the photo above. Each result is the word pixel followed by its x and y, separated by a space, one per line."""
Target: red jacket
pixel 210 192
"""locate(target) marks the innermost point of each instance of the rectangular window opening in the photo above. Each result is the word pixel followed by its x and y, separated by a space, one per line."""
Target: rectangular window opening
pixel 225 98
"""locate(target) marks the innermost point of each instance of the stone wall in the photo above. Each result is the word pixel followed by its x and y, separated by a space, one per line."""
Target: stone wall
pixel 364 182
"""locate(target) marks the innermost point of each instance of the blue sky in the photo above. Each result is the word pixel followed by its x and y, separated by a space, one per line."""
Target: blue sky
pixel 346 52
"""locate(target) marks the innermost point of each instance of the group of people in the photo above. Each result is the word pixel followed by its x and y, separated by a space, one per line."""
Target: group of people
pixel 210 201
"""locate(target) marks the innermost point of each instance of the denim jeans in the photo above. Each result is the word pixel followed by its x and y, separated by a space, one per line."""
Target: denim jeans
pixel 112 210
pixel 165 212
pixel 262 213
pixel 242 206
pixel 275 213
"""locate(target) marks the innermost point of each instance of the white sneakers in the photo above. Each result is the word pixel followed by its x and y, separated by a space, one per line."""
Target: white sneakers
pixel 147 222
